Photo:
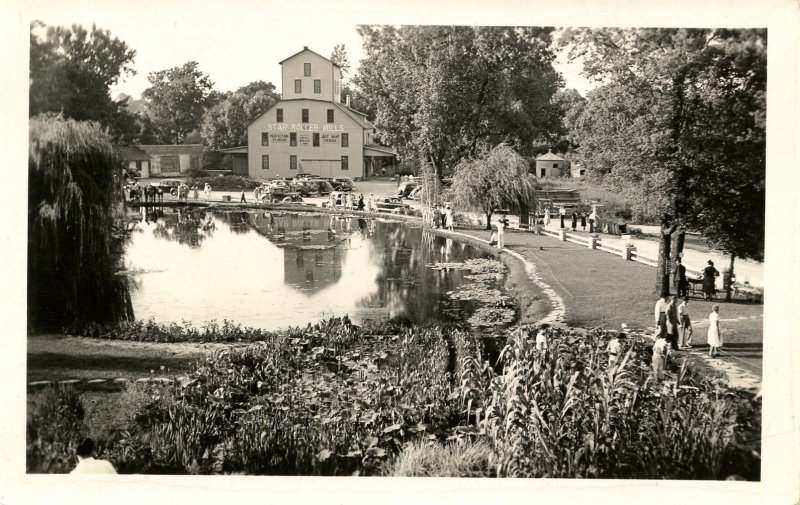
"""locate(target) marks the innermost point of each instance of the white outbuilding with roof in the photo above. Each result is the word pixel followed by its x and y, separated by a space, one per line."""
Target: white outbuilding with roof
pixel 551 165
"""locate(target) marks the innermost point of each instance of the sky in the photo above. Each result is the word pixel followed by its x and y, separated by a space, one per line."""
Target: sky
pixel 235 43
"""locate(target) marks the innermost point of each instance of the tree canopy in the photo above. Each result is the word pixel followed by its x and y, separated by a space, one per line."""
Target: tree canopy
pixel 72 174
pixel 225 124
pixel 72 70
pixel 177 100
pixel 438 91
pixel 679 126
pixel 493 179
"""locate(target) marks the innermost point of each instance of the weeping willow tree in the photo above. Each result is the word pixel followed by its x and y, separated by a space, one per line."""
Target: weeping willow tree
pixel 72 251
pixel 497 179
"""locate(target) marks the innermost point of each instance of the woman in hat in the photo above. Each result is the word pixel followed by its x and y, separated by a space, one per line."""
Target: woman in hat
pixel 709 279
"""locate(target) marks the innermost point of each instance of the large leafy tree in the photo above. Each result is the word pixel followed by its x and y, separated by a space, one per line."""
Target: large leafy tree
pixel 72 252
pixel 493 179
pixel 177 100
pixel 679 124
pixel 225 124
pixel 439 91
pixel 72 70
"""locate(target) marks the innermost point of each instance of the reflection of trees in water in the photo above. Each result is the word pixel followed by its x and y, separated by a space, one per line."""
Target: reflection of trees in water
pixel 405 285
pixel 186 227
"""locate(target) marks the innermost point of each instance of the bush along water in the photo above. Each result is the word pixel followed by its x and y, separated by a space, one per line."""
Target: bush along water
pixel 393 399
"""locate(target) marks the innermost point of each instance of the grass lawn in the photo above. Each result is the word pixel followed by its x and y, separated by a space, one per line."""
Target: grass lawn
pixel 602 290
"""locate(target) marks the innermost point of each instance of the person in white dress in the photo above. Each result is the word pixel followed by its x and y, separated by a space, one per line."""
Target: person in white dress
pixel 207 191
pixel 714 335
pixel 448 218
pixel 546 217
pixel 660 354
pixel 500 233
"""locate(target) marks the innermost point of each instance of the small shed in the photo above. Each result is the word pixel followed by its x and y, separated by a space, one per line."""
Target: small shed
pixel 550 165
pixel 162 160
pixel 577 171
pixel 238 159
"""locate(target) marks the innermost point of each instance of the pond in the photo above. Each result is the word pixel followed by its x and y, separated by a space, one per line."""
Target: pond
pixel 273 270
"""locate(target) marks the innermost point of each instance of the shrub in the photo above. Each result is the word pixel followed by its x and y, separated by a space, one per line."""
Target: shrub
pixel 464 458
pixel 54 429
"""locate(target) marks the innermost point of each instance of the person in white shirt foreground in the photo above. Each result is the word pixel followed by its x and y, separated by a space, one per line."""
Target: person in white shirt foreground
pixel 87 463
pixel 541 340
pixel 660 353
pixel 501 242
pixel 614 350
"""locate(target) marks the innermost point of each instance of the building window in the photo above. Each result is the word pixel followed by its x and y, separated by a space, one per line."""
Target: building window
pixel 307 69
pixel 292 162
pixel 583 172
pixel 317 86
pixel 555 165
pixel 293 139
pixel 298 86
pixel 264 138
pixel 345 140
pixel 345 163
pixel 279 114
pixel 330 115
pixel 316 140
pixel 265 162
pixel 305 116
pixel 543 172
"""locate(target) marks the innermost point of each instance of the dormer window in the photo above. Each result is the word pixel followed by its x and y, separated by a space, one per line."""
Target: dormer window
pixel 307 69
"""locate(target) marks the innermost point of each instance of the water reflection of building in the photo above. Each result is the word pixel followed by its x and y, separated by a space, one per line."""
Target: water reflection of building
pixel 313 251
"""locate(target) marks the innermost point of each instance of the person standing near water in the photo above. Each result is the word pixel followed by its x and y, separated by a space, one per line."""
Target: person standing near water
pixel 592 219
pixel 448 218
pixel 207 191
pixel 714 335
pixel 583 220
pixel 243 199
pixel 574 220
pixel 361 202
pixel 546 217
pixel 562 212
pixel 500 233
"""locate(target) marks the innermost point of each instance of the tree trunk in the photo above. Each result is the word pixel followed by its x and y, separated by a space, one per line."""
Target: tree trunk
pixel 664 250
pixel 489 220
pixel 729 286
pixel 676 250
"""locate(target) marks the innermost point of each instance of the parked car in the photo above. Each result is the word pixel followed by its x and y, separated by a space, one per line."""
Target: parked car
pixel 405 188
pixel 306 188
pixel 306 176
pixel 343 183
pixel 279 195
pixel 167 186
pixel 393 205
pixel 322 186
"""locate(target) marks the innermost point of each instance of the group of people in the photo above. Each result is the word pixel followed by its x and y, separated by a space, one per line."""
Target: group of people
pixel 442 216
pixel 348 201
pixel 674 330
pixel 681 283
pixel 575 216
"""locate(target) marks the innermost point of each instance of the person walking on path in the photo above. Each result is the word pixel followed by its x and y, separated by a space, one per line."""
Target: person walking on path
pixel 195 192
pixel 592 219
pixel 500 233
pixel 243 199
pixel 207 191
pixel 709 280
pixel 660 354
pixel 371 203
pixel 679 282
pixel 87 464
pixel 448 218
pixel 671 316
pixel 562 212
pixel 583 220
pixel 685 325
pixel 360 202
pixel 574 220
pixel 714 335
pixel 660 315
pixel 546 217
